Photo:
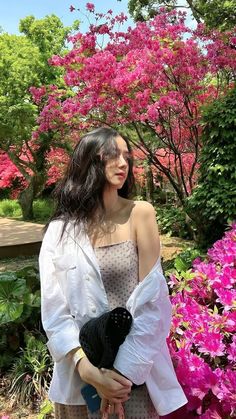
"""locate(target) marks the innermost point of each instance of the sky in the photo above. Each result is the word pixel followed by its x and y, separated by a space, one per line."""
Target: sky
pixel 11 11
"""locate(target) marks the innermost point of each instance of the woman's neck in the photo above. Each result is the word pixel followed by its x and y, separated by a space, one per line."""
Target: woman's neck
pixel 111 201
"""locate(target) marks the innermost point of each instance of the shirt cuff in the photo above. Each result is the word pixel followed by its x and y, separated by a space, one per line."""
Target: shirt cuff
pixel 131 365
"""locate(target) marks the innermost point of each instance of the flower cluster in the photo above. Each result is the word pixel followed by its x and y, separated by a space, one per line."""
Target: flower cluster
pixel 11 178
pixel 202 339
pixel 152 77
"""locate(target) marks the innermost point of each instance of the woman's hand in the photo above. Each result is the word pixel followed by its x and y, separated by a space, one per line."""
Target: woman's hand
pixel 109 384
pixel 107 408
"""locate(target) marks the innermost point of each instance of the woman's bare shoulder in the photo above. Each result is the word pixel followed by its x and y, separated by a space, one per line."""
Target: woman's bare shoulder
pixel 142 208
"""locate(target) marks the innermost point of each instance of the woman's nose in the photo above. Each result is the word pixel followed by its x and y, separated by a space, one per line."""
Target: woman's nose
pixel 122 161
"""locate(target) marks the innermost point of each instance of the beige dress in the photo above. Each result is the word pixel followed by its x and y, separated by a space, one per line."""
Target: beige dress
pixel 119 269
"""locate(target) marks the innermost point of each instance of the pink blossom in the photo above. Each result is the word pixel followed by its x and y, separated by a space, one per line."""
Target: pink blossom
pixel 231 350
pixel 211 343
pixel 90 7
pixel 227 298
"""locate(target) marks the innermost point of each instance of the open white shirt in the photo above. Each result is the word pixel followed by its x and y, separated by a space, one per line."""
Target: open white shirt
pixel 72 292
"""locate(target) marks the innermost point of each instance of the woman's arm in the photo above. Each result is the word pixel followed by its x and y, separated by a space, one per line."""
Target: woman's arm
pixel 149 304
pixel 148 241
pixel 110 385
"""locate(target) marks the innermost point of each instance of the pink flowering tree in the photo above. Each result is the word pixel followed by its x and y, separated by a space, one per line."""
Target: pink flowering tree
pixel 12 179
pixel 202 339
pixel 150 80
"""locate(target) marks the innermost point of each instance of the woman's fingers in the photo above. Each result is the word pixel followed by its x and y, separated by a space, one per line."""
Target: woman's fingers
pixel 108 408
pixel 119 400
pixel 109 388
pixel 118 377
pixel 119 410
pixel 103 405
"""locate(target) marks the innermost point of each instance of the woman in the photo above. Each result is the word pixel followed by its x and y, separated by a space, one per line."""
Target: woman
pixel 100 250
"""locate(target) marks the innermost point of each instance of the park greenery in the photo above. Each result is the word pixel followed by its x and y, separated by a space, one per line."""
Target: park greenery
pixel 171 90
pixel 219 14
pixel 24 63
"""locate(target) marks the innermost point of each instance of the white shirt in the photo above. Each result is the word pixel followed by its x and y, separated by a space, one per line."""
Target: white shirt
pixel 72 292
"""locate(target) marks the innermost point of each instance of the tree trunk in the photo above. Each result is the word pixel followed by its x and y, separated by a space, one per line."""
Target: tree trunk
pixel 149 185
pixel 28 195
pixel 26 200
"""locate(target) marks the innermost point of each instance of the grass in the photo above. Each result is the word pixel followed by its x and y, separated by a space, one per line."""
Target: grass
pixel 42 209
pixel 10 208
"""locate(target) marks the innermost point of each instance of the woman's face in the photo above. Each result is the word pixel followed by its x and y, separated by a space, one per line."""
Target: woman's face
pixel 116 169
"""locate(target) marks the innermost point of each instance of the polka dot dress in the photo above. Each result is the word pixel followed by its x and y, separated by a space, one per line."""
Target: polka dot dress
pixel 119 269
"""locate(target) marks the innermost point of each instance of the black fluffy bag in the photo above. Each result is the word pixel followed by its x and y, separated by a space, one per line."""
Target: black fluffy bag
pixel 101 337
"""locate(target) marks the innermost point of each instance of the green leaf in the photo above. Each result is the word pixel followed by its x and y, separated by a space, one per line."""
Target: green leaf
pixel 11 299
pixel 7 276
pixel 10 312
pixel 180 264
pixel 33 300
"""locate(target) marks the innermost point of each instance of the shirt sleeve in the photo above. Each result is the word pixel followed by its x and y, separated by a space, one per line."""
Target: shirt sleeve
pixel 58 323
pixel 150 307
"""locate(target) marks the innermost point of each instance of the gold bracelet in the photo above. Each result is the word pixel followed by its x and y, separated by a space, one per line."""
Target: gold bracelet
pixel 78 355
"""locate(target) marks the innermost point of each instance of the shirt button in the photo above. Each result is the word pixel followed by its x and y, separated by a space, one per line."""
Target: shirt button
pixel 94 309
pixel 87 277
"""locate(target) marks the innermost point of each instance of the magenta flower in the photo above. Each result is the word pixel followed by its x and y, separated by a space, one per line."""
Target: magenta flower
pixel 232 351
pixel 211 343
pixel 227 298
pixel 90 7
pixel 202 340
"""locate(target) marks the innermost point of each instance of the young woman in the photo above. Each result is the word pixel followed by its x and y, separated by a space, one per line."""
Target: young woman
pixel 101 250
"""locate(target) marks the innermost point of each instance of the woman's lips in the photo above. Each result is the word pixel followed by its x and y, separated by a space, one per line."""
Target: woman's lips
pixel 121 174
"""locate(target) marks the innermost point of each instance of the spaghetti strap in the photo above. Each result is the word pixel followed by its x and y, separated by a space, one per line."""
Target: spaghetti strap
pixel 130 226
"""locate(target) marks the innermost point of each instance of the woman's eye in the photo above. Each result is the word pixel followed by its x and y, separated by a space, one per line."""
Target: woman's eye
pixel 127 156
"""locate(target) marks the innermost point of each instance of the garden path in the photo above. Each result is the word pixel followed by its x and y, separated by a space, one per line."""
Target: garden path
pixel 19 238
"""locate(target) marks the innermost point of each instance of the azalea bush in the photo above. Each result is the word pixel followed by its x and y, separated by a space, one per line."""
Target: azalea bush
pixel 202 340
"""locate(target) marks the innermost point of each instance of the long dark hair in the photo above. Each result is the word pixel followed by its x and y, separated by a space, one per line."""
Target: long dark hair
pixel 79 195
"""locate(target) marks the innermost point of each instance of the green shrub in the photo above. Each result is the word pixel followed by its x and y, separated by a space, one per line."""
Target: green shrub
pixel 31 372
pixel 43 209
pixel 24 357
pixel 19 311
pixel 46 409
pixel 171 221
pixel 213 202
pixel 10 208
pixel 184 260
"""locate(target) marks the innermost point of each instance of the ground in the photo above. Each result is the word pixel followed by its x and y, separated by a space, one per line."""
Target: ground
pixel 171 246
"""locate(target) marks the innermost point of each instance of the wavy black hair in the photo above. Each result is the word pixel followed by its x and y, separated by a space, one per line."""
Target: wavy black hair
pixel 79 195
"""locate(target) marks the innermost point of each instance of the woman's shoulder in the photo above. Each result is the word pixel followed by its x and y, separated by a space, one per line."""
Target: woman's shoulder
pixel 143 208
pixel 56 228
pixel 138 206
